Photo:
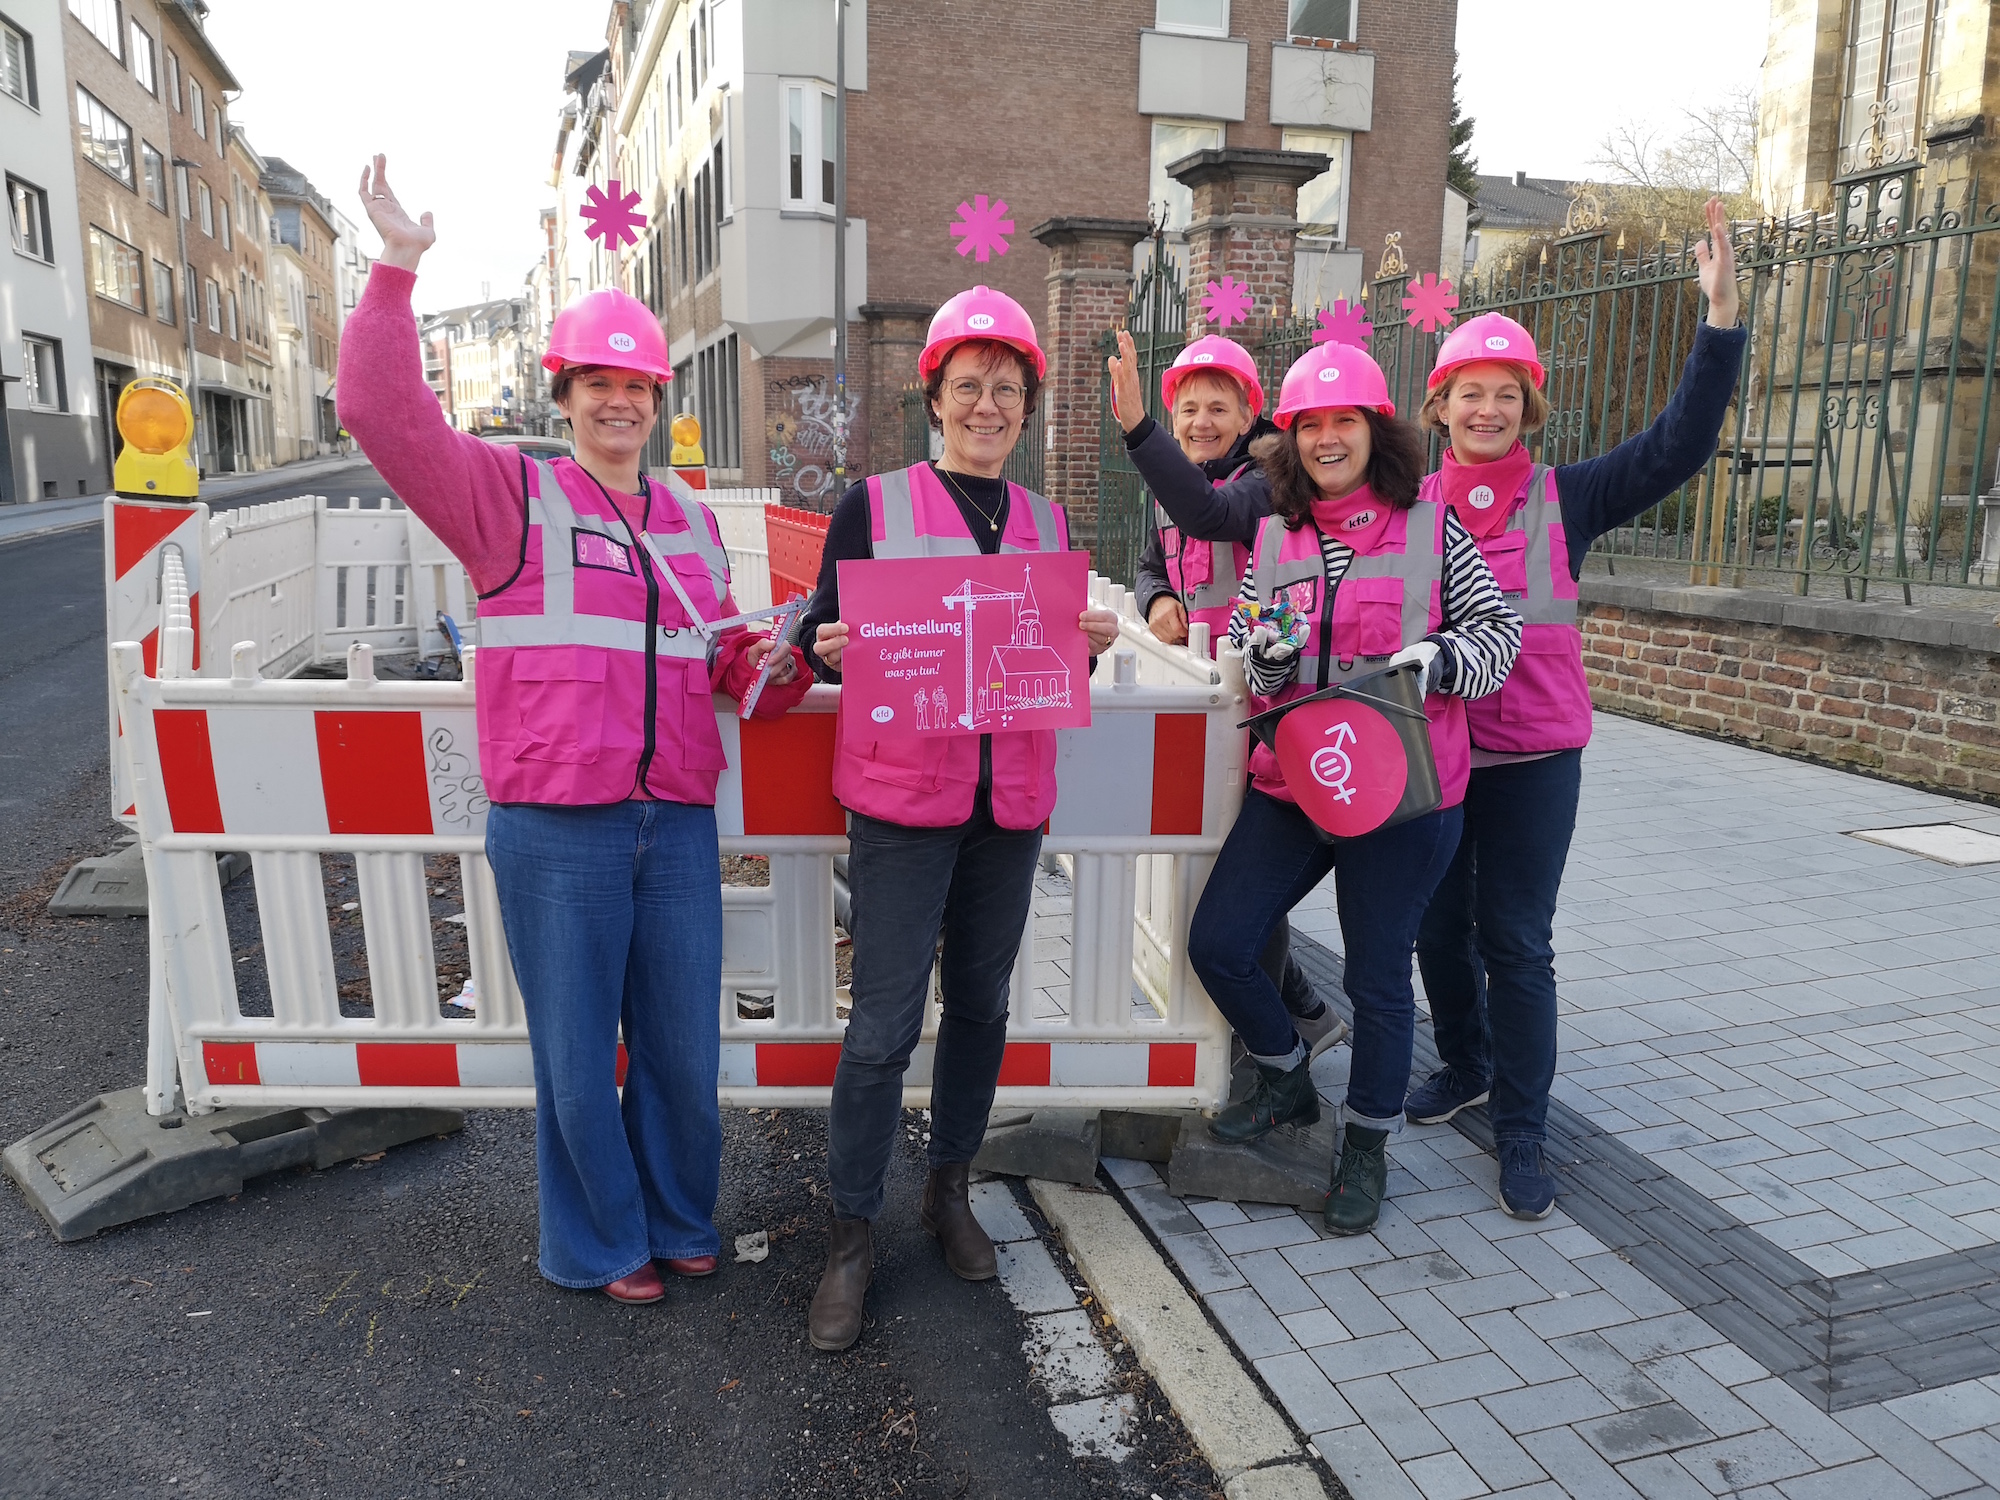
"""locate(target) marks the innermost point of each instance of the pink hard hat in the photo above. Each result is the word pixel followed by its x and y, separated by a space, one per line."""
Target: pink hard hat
pixel 1214 352
pixel 1490 336
pixel 1332 374
pixel 981 313
pixel 608 327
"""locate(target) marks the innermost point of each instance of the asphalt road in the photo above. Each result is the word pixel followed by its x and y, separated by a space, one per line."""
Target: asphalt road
pixel 378 1328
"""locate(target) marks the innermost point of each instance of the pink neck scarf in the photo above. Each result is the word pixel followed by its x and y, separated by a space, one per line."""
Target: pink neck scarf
pixel 1359 519
pixel 1483 494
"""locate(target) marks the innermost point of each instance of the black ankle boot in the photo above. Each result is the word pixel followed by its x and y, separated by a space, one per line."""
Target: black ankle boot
pixel 1279 1097
pixel 1360 1181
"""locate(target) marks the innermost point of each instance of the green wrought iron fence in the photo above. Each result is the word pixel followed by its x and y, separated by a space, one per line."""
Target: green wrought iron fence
pixel 1862 418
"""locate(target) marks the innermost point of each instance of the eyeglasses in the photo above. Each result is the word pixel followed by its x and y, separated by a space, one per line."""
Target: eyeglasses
pixel 1006 394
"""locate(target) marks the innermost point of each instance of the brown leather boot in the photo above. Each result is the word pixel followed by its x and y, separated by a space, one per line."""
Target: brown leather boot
pixel 835 1320
pixel 947 1214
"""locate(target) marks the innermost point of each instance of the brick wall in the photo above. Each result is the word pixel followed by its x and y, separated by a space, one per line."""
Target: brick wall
pixel 1399 164
pixel 1911 695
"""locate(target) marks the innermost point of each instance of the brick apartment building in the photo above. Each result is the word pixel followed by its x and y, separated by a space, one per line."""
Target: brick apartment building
pixel 304 231
pixel 720 116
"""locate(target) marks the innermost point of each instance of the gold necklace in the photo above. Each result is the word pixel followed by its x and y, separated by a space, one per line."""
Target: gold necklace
pixel 992 521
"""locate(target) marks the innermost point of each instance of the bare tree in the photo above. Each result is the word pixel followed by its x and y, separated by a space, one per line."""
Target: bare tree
pixel 1668 171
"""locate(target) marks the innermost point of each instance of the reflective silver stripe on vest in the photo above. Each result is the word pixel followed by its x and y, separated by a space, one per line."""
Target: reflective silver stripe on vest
pixel 559 624
pixel 1540 606
pixel 695 515
pixel 1220 590
pixel 899 524
pixel 1418 565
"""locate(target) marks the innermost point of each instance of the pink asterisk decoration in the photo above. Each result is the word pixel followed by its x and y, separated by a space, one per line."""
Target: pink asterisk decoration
pixel 1225 302
pixel 609 211
pixel 982 226
pixel 1429 301
pixel 1344 323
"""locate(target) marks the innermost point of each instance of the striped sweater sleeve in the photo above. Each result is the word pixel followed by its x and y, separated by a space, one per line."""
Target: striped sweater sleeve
pixel 1480 635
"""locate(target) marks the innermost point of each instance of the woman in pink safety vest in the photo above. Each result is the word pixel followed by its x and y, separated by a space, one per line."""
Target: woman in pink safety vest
pixel 1216 399
pixel 1486 947
pixel 598 745
pixel 1373 577
pixel 943 833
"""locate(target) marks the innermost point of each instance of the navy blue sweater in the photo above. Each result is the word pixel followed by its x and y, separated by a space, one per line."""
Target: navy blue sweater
pixel 1598 494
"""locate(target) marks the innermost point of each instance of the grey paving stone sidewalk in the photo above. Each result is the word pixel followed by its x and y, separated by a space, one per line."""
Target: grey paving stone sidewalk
pixel 1789 1031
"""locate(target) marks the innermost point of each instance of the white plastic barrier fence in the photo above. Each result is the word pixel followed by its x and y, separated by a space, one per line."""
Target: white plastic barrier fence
pixel 739 516
pixel 387 772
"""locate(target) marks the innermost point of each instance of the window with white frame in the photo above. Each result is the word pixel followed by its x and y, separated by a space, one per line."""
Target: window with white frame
pixel 231 310
pixel 144 60
pixel 156 175
pixel 115 270
pixel 101 19
pixel 28 218
pixel 107 140
pixel 163 292
pixel 810 134
pixel 198 109
pixel 173 79
pixel 1171 201
pixel 42 373
pixel 214 297
pixel 1322 201
pixel 222 213
pixel 1322 20
pixel 17 64
pixel 1195 17
pixel 221 129
pixel 207 200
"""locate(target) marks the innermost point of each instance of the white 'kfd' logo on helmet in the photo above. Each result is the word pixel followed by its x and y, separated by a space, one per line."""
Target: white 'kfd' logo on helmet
pixel 1329 375
pixel 980 321
pixel 624 343
pixel 1498 341
pixel 1203 358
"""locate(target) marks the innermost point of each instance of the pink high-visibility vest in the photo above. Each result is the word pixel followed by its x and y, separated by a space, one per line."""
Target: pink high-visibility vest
pixel 1204 574
pixel 1544 704
pixel 930 783
pixel 566 666
pixel 1387 600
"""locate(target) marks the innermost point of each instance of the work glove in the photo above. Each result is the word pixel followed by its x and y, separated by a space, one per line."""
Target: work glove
pixel 1271 648
pixel 1427 655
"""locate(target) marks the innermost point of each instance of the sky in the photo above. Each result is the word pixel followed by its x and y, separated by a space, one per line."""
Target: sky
pixel 1545 83
pixel 462 99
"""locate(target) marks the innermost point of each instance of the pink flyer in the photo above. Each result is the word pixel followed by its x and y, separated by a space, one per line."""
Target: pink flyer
pixel 966 645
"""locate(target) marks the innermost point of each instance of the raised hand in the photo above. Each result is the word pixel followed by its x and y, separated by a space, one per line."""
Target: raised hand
pixel 1128 400
pixel 404 240
pixel 1715 264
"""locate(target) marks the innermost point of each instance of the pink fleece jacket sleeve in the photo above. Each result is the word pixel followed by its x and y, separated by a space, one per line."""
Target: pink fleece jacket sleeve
pixel 468 491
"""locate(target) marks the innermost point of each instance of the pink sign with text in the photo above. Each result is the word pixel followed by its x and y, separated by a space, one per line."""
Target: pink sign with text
pixel 965 645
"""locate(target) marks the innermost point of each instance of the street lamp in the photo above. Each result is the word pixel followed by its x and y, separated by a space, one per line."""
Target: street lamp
pixel 183 193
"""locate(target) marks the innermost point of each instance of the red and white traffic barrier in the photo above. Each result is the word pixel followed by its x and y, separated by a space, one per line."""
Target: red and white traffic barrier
pixel 388 772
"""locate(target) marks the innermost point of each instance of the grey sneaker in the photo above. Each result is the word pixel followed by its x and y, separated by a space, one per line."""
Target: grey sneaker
pixel 1320 1032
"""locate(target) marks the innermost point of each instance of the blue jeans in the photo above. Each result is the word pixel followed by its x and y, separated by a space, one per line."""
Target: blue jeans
pixel 614 920
pixel 974 884
pixel 1271 860
pixel 1486 948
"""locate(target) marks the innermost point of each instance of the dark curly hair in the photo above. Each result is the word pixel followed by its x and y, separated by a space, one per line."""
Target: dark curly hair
pixel 1397 458
pixel 990 352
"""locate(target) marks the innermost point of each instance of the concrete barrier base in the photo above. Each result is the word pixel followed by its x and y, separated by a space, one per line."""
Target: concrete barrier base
pixel 108 1162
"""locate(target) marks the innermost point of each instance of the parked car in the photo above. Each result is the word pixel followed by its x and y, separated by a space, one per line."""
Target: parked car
pixel 542 448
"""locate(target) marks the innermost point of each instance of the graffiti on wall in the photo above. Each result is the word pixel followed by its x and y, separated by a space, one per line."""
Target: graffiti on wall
pixel 808 435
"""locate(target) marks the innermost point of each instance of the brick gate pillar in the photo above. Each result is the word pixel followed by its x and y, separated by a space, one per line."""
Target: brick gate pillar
pixel 1090 285
pixel 894 337
pixel 1245 221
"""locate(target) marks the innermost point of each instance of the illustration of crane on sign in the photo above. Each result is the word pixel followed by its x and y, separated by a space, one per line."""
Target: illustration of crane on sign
pixel 1023 671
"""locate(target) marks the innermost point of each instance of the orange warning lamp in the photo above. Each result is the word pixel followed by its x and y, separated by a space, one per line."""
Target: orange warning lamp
pixel 686 431
pixel 157 461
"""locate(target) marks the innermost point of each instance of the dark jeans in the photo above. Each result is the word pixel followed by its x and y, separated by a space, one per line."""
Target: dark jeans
pixel 614 922
pixel 1272 858
pixel 1485 948
pixel 974 883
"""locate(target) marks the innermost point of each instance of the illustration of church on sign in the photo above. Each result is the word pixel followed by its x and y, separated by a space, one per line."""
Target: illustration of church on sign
pixel 1022 671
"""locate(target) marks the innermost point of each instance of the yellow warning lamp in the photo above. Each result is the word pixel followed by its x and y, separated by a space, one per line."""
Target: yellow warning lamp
pixel 686 430
pixel 157 461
